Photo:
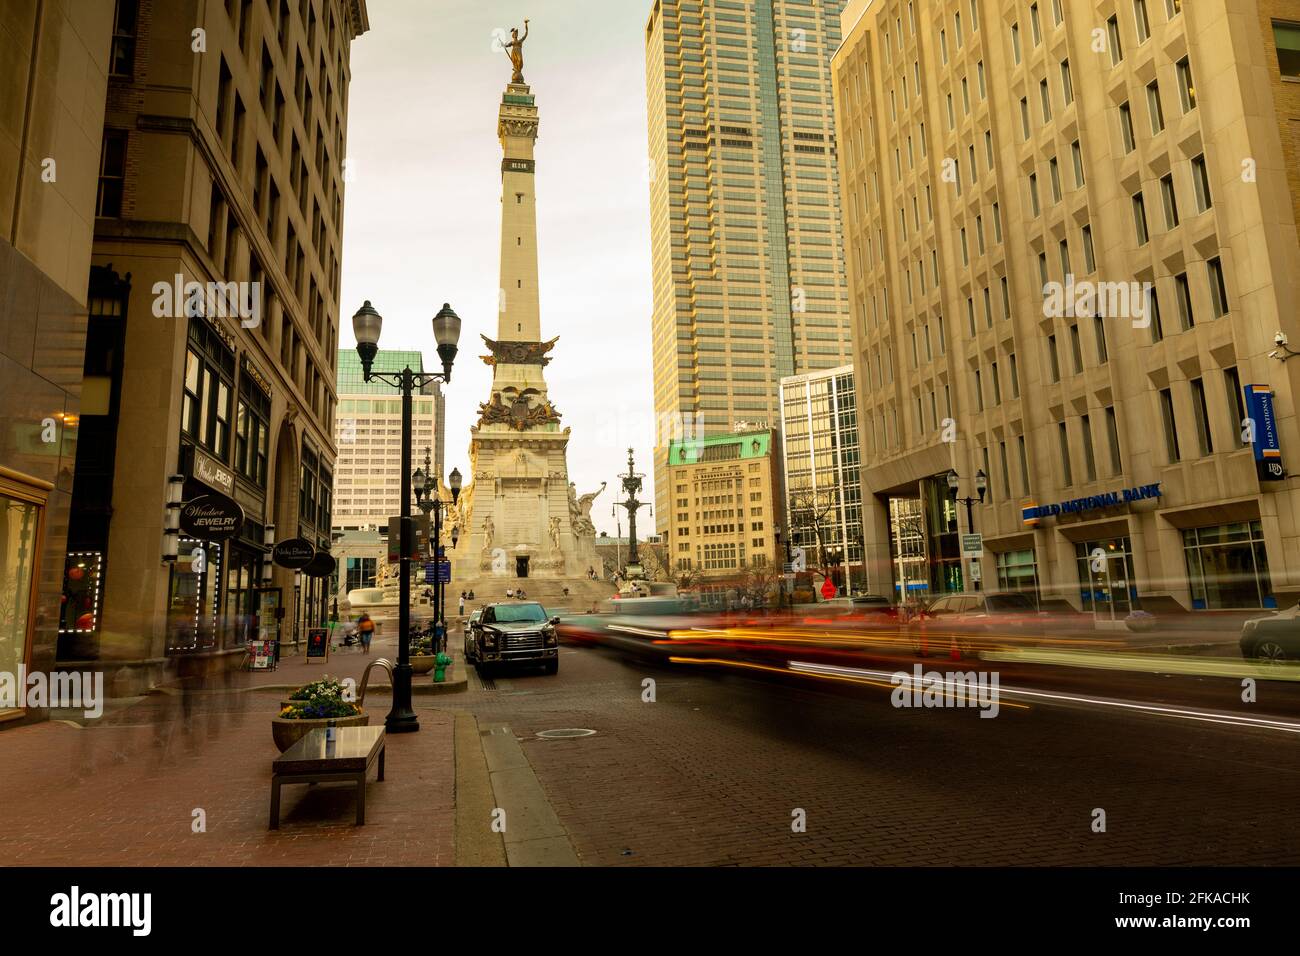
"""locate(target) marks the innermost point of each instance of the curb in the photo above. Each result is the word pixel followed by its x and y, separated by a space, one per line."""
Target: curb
pixel 476 844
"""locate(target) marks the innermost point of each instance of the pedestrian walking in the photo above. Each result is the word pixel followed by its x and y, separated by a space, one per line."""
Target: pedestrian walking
pixel 366 627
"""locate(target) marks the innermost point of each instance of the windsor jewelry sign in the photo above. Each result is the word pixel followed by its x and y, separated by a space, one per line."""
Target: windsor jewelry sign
pixel 211 517
pixel 1110 499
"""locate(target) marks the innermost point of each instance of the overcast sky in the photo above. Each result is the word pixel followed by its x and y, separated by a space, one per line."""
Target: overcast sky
pixel 422 213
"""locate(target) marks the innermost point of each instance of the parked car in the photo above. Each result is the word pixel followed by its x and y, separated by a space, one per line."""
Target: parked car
pixel 1273 638
pixel 513 633
pixel 970 618
pixel 466 628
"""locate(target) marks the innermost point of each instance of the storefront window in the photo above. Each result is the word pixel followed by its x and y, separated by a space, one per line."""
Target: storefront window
pixel 79 610
pixel 243 578
pixel 1018 571
pixel 19 529
pixel 1227 567
pixel 193 597
pixel 1107 584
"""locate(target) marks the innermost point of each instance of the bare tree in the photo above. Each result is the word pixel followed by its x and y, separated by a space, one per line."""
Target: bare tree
pixel 759 583
pixel 812 512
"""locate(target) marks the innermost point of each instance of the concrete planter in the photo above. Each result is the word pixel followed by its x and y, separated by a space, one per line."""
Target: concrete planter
pixel 288 731
pixel 423 663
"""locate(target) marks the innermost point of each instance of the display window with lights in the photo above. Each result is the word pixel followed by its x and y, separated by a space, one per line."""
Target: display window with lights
pixel 22 513
pixel 193 597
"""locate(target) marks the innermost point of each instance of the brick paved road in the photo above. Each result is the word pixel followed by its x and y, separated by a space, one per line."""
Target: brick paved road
pixel 711 772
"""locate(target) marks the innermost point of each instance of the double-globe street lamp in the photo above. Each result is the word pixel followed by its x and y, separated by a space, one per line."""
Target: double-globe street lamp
pixel 981 488
pixel 427 497
pixel 366 325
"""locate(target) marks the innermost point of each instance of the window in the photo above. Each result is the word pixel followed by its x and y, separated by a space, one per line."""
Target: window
pixel 1063 439
pixel 1045 97
pixel 112 174
pixel 1169 200
pixel 1227 567
pixel 1116 48
pixel 252 431
pixel 1089 253
pixel 1015 376
pixel 1140 219
pixel 1015 41
pixel 1024 116
pixel 1186 86
pixel 1218 288
pixel 1126 127
pixel 1089 457
pixel 1140 21
pixel 1024 464
pixel 1034 203
pixel 979 391
pixel 1201 183
pixel 1054 168
pixel 1153 105
pixel 1172 453
pixel 207 387
pixel 1099 333
pixel 1067 84
pixel 1153 313
pixel 1112 439
pixel 1202 413
pixel 1236 405
pixel 1035 24
pixel 1076 348
pixel 1066 269
pixel 1006 469
pixel 1053 359
pixel 1286 36
pixel 997 384
pixel 1076 155
pixel 1186 316
pixel 1058 13
pixel 121 59
pixel 1173 8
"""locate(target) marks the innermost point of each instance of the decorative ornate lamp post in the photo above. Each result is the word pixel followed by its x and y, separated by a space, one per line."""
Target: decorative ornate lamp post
pixel 366 325
pixel 427 497
pixel 632 484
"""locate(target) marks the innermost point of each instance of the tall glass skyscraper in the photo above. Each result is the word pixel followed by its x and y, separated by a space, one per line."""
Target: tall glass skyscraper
pixel 748 256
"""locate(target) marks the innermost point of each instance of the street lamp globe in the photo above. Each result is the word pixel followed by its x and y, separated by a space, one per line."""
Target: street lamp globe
pixel 454 483
pixel 366 326
pixel 954 480
pixel 417 482
pixel 981 483
pixel 446 332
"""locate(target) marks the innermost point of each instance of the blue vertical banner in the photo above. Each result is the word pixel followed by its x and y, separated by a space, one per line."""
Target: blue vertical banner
pixel 1268 451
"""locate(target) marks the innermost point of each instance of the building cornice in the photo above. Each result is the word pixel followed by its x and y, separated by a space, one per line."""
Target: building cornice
pixel 358 17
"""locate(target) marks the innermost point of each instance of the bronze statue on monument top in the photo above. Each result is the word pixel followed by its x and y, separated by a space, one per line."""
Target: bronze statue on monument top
pixel 515 50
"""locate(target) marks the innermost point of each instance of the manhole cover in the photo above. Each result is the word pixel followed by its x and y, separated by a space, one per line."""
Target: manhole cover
pixel 565 732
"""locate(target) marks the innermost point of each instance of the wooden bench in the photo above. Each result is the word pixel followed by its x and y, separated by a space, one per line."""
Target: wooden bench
pixel 355 750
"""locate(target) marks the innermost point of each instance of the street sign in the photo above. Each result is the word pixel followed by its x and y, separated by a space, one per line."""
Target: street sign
pixel 828 589
pixel 975 571
pixel 444 572
pixel 972 544
pixel 320 566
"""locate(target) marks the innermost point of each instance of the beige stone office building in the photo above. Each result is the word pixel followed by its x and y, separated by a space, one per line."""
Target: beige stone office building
pixel 746 239
pixel 1000 161
pixel 55 71
pixel 726 501
pixel 221 162
pixel 368 435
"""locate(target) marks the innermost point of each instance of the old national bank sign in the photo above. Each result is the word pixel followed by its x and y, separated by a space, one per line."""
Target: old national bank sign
pixel 1033 513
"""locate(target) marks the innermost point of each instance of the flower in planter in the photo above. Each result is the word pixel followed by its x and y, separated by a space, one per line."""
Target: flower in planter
pixel 326 688
pixel 320 708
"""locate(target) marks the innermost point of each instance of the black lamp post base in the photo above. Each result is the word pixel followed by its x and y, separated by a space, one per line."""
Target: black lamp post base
pixel 402 719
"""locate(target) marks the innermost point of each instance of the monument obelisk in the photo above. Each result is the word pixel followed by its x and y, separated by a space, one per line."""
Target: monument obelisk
pixel 521 517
